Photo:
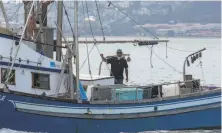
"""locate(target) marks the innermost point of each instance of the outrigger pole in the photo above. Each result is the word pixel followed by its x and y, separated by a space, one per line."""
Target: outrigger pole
pixel 184 65
pixel 148 42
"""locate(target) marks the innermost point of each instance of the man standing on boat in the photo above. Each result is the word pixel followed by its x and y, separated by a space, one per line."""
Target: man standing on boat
pixel 118 63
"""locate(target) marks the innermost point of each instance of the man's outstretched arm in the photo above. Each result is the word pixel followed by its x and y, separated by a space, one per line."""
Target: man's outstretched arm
pixel 102 57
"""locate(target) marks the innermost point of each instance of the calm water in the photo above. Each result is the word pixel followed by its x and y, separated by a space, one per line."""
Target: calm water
pixel 191 131
pixel 140 71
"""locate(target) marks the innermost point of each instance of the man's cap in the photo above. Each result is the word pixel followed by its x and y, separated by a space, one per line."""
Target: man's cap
pixel 119 51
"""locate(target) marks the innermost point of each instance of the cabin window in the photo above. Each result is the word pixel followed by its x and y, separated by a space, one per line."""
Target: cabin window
pixel 4 73
pixel 40 81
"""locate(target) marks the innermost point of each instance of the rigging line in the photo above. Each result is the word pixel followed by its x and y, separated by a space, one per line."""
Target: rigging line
pixel 68 20
pixel 99 53
pixel 89 20
pixel 202 73
pixel 166 50
pixel 100 20
pixel 151 55
pixel 18 47
pixel 12 74
pixel 188 50
pixel 90 72
pixel 89 54
pixel 176 49
pixel 87 48
pixel 91 32
pixel 213 48
pixel 83 10
pixel 165 62
pixel 86 38
pixel 179 49
pixel 86 57
pixel 66 13
pixel 93 35
pixel 16 11
pixel 11 50
pixel 110 3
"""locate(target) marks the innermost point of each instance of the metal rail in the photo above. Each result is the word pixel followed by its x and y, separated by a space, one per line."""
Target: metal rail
pixel 147 90
pixel 19 59
pixel 184 65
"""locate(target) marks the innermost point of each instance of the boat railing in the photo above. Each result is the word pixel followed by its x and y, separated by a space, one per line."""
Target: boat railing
pixel 119 93
pixel 19 59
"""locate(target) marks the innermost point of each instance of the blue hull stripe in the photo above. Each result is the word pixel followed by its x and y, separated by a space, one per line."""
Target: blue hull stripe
pixel 113 110
pixel 31 67
pixel 171 103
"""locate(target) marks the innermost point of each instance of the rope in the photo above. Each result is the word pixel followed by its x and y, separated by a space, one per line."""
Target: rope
pixel 16 52
pixel 214 48
pixel 16 12
pixel 87 48
pixel 86 38
pixel 182 50
pixel 99 53
pixel 166 51
pixel 83 10
pixel 168 47
pixel 90 72
pixel 100 21
pixel 151 55
pixel 73 34
pixel 89 20
pixel 110 3
pixel 86 57
pixel 93 34
pixel 68 20
pixel 94 37
pixel 165 61
pixel 11 50
pixel 201 66
pixel 179 49
pixel 106 63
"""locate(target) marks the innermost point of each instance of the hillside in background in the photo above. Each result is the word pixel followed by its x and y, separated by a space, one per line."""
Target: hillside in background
pixel 144 12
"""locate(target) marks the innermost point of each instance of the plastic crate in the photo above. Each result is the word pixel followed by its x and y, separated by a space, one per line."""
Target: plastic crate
pixel 125 94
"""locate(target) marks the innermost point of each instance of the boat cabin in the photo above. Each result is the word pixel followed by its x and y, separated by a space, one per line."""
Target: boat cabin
pixel 33 72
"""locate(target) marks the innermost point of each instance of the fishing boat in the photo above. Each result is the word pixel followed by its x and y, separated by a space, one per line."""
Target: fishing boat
pixel 41 94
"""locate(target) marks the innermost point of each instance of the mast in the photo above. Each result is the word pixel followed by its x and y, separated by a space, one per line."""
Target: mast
pixel 70 53
pixel 38 15
pixel 39 18
pixel 4 15
pixel 70 73
pixel 76 48
pixel 59 36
